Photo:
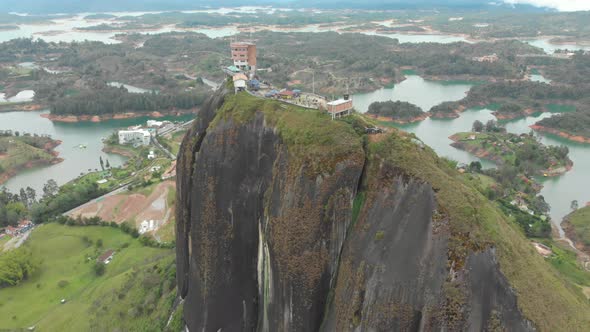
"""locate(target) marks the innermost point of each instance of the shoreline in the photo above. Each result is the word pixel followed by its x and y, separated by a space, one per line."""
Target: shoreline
pixel 21 107
pixel 562 134
pixel 116 150
pixel 399 121
pixel 456 113
pixel 118 116
pixel 512 116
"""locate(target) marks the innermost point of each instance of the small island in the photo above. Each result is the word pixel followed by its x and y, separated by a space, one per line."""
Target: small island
pixel 396 111
pixel 572 126
pixel 521 151
pixel 446 110
pixel 19 152
pixel 512 111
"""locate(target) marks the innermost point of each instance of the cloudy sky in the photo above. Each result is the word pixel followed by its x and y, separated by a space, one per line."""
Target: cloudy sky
pixel 562 5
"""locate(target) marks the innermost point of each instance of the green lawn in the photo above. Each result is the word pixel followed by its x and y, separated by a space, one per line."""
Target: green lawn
pixel 3 240
pixel 93 302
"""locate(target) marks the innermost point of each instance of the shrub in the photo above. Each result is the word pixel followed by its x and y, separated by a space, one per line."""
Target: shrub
pixel 62 283
pixel 99 268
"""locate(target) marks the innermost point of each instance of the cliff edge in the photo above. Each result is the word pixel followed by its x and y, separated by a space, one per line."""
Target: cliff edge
pixel 288 221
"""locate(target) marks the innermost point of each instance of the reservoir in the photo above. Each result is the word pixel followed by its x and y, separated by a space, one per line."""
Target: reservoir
pixel 77 160
pixel 558 191
pixel 66 30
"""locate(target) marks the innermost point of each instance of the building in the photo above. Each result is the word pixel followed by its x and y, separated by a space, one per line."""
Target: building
pixel 486 58
pixel 151 155
pixel 243 54
pixel 240 82
pixel 286 94
pixel 148 226
pixel 155 123
pixel 339 108
pixel 107 257
pixel 13 231
pixel 135 137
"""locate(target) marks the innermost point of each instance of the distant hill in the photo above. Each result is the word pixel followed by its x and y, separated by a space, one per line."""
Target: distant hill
pixel 75 6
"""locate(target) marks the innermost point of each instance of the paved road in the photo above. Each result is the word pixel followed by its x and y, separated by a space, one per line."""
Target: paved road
pixel 17 241
pixel 168 153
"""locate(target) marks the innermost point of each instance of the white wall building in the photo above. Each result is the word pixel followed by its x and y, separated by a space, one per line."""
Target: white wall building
pixel 155 123
pixel 135 137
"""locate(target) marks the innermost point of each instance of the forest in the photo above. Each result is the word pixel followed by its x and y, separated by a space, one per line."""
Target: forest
pixel 112 100
pixel 40 207
pixel 575 123
pixel 524 93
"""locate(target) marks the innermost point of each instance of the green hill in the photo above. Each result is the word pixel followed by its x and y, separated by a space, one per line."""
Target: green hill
pixel 577 225
pixel 135 293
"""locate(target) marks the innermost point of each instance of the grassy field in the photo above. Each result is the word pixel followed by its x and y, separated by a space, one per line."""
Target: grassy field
pixel 3 240
pixel 135 293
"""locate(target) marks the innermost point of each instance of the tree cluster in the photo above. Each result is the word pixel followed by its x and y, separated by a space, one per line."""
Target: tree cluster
pixel 399 110
pixel 17 265
pixel 112 100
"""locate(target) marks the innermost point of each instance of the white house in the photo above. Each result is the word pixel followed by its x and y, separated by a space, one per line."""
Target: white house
pixel 240 82
pixel 136 137
pixel 151 155
pixel 144 227
pixel 154 123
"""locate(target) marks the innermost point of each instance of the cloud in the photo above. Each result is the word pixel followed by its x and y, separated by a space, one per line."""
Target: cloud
pixel 561 5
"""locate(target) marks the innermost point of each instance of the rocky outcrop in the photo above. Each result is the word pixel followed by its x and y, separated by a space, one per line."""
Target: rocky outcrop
pixel 280 228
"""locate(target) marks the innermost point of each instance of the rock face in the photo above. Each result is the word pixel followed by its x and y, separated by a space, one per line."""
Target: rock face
pixel 273 236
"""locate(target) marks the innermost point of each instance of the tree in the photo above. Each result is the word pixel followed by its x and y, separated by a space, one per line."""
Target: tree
pixel 99 243
pixel 23 196
pixel 50 189
pixel 491 126
pixel 31 196
pixel 574 205
pixel 475 166
pixel 99 268
pixel 108 164
pixel 101 163
pixel 477 126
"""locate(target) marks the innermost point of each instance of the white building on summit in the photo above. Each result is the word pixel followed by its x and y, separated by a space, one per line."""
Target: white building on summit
pixel 135 137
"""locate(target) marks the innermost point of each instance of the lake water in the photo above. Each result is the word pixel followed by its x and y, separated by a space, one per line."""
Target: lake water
pixel 130 88
pixel 550 48
pixel 76 160
pixel 558 191
pixel 64 29
pixel 21 97
pixel 416 90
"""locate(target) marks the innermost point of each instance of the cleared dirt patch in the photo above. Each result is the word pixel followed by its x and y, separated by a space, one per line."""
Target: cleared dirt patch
pixel 133 207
